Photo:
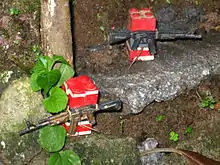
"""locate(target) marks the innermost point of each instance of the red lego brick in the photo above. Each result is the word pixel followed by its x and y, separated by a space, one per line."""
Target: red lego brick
pixel 81 91
pixel 83 128
pixel 141 20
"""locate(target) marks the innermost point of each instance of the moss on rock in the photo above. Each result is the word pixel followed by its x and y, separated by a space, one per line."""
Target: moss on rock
pixel 17 104
pixel 99 149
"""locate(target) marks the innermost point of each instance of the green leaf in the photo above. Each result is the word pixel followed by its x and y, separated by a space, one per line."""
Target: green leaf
pixel 14 11
pixel 102 28
pixel 67 157
pixel 46 61
pixel 39 67
pixel 188 130
pixel 36 48
pixel 168 1
pixel 52 138
pixel 213 101
pixel 66 73
pixel 55 159
pixel 174 136
pixel 57 100
pixel 204 104
pixel 46 79
pixel 33 82
pixel 160 118
pixel 56 59
pixel 212 106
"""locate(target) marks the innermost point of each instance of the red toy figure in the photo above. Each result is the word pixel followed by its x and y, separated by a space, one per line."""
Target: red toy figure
pixel 140 20
pixel 141 35
pixel 81 91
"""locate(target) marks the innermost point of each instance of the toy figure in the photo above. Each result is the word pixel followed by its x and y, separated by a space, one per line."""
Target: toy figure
pixel 78 118
pixel 141 35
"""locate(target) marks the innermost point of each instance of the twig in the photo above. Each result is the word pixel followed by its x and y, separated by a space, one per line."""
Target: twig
pixel 91 128
pixel 29 162
pixel 197 93
pixel 171 150
pixel 135 59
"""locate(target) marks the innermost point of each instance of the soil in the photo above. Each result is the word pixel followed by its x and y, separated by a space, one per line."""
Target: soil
pixel 180 113
pixel 92 22
pixel 18 34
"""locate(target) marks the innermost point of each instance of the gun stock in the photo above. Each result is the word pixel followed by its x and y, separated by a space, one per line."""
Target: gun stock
pixel 119 36
pixel 33 128
pixel 52 120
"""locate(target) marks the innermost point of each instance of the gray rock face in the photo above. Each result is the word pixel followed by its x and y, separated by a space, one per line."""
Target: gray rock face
pixel 98 149
pixel 151 159
pixel 178 66
pixel 18 103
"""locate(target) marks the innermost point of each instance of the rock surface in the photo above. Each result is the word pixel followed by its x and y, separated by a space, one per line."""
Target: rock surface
pixel 102 150
pixel 176 68
pixel 18 103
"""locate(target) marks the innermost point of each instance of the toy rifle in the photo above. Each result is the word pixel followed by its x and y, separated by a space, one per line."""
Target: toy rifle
pixel 73 115
pixel 149 37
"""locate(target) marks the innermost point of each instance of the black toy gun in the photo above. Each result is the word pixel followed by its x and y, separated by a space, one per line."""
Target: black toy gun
pixel 121 35
pixel 149 37
pixel 74 116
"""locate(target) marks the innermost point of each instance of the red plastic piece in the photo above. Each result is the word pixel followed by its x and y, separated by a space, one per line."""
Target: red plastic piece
pixel 142 19
pixel 83 128
pixel 142 55
pixel 81 91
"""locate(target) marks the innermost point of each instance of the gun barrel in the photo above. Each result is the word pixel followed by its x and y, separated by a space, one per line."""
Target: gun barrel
pixel 33 128
pixel 104 106
pixel 110 106
pixel 167 36
pixel 52 120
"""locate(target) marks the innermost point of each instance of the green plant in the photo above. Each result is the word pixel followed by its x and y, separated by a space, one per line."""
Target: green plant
pixel 36 50
pixel 188 130
pixel 197 2
pixel 168 1
pixel 208 102
pixel 174 136
pixel 16 42
pixel 101 19
pixel 14 11
pixel 48 79
pixel 160 118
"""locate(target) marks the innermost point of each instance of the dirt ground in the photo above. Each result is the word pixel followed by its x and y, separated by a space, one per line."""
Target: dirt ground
pixel 92 22
pixel 180 113
pixel 19 32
